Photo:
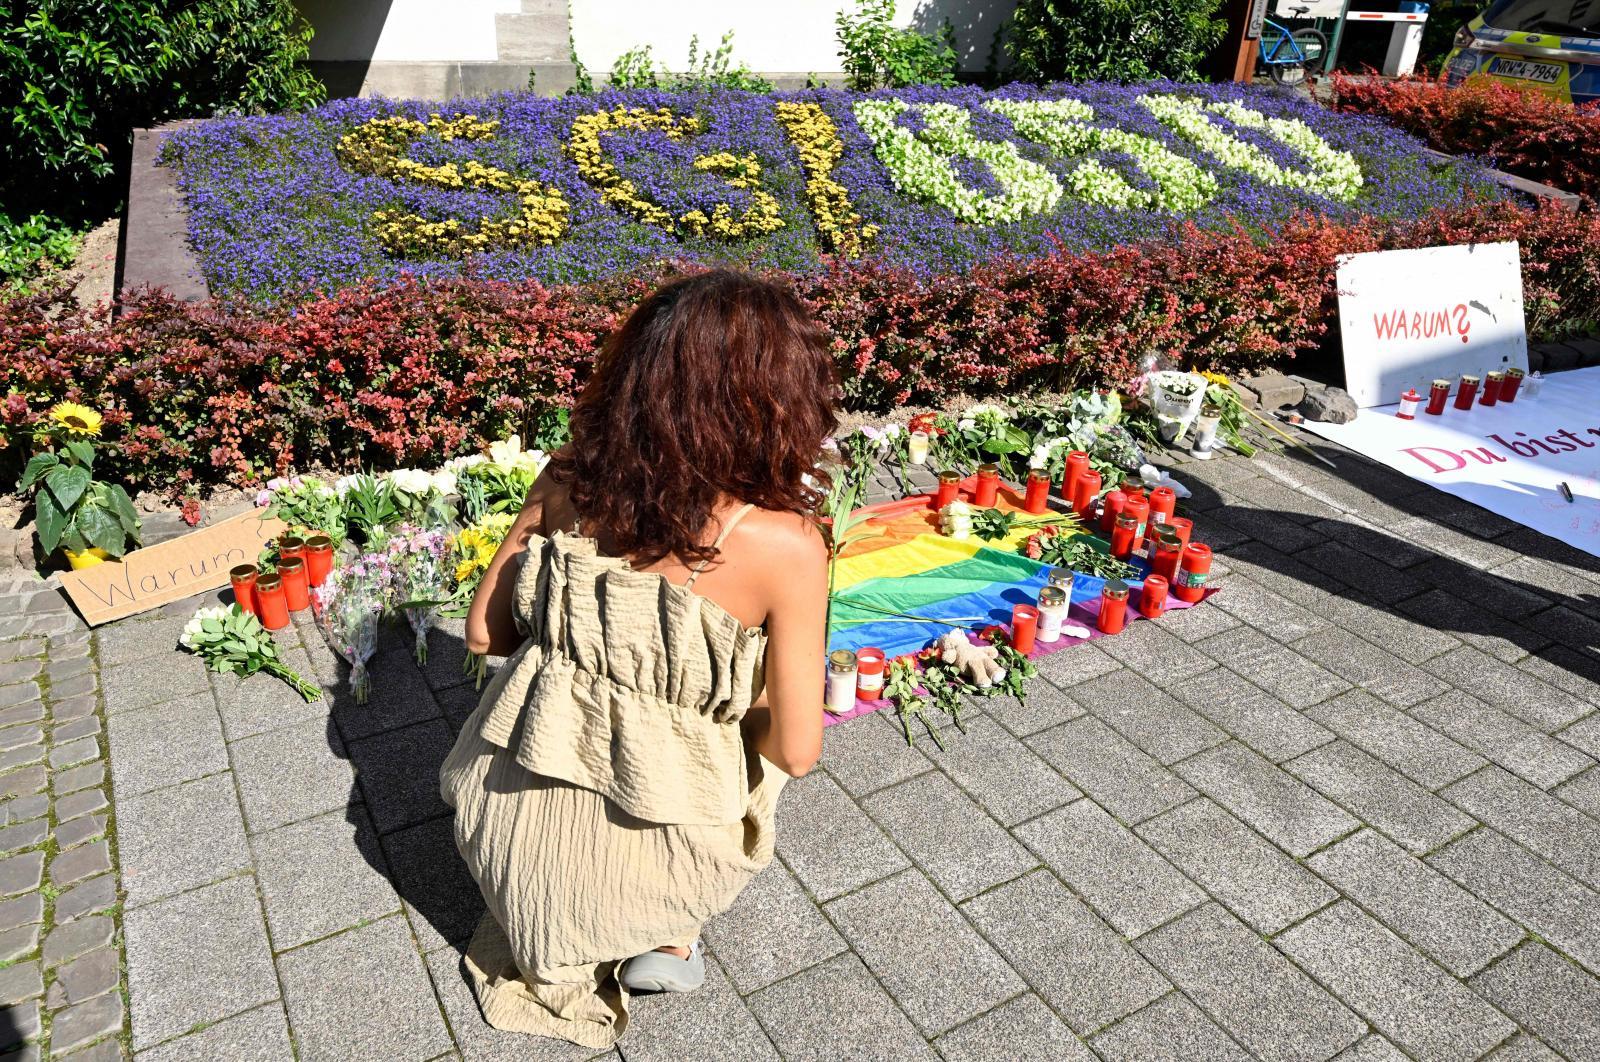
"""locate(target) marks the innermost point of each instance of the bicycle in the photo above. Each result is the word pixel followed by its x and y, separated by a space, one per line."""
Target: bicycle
pixel 1290 56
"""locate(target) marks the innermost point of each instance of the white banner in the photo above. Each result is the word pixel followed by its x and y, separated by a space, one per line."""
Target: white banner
pixel 1510 459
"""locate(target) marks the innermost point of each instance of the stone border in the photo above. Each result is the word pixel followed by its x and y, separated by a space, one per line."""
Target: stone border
pixel 153 249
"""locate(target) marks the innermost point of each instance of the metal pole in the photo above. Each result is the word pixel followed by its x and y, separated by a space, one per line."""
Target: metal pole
pixel 1338 38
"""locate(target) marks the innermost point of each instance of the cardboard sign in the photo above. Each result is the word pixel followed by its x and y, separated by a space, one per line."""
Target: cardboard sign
pixel 157 575
pixel 1411 317
pixel 1511 459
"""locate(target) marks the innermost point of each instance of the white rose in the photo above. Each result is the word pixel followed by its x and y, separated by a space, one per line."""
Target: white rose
pixel 411 481
pixel 444 481
pixel 506 451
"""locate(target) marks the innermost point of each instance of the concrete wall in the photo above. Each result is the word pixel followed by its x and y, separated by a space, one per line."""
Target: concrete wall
pixel 405 30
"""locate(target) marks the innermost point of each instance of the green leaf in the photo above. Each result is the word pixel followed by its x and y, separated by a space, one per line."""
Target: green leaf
pixel 38 465
pixel 52 522
pixel 67 483
pixel 82 451
pixel 102 530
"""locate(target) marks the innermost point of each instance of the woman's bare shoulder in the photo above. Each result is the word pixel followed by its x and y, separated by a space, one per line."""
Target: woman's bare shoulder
pixel 781 538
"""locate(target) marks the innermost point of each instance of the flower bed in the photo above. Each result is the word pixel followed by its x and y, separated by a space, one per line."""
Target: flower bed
pixel 933 180
pixel 417 372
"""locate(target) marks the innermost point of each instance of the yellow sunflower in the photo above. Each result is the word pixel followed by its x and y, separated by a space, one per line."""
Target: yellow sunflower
pixel 75 419
pixel 1216 378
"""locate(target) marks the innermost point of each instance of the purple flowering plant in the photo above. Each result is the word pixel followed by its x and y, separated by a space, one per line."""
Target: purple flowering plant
pixel 276 212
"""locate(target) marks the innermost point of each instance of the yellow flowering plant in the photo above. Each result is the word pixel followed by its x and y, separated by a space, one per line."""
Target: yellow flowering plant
pixel 89 519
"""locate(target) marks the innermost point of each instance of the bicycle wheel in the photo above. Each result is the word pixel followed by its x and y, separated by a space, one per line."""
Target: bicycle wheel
pixel 1314 46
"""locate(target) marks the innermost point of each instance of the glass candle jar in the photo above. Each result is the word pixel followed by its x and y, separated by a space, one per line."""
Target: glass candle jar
pixel 917 447
pixel 1466 391
pixel 1139 509
pixel 1508 390
pixel 1077 465
pixel 1183 527
pixel 988 488
pixel 1061 577
pixel 1533 384
pixel 1491 388
pixel 1052 614
pixel 841 681
pixel 949 489
pixel 1438 395
pixel 1037 498
pixel 1113 607
pixel 870 666
pixel 296 590
pixel 1205 432
pixel 1111 509
pixel 319 559
pixel 1122 537
pixel 1193 570
pixel 243 579
pixel 1153 597
pixel 1163 502
pixel 1024 627
pixel 1166 554
pixel 1084 491
pixel 271 606
pixel 1408 404
pixel 291 545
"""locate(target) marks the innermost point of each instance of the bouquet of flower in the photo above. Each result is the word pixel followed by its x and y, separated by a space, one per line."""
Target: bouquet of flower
pixel 232 641
pixel 417 563
pixel 348 607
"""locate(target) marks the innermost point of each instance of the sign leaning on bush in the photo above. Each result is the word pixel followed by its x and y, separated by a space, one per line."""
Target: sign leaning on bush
pixel 933 179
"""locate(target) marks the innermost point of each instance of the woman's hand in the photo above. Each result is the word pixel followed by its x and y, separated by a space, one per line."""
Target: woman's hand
pixel 794 560
pixel 491 624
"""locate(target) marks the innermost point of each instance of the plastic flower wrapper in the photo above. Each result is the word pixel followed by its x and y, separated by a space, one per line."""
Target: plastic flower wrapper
pixel 348 608
pixel 419 498
pixel 421 579
pixel 232 641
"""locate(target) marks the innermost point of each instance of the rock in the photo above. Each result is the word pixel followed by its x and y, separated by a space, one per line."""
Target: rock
pixel 1559 357
pixel 1332 405
pixel 1588 351
pixel 1535 360
pixel 1247 397
pixel 1274 390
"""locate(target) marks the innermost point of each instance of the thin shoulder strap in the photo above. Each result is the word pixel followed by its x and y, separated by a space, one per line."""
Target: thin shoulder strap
pixel 727 529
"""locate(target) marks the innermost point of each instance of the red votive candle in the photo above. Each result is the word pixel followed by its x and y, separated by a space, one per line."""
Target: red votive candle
pixel 1077 465
pixel 988 488
pixel 1114 502
pixel 1466 391
pixel 296 591
pixel 1166 555
pixel 870 665
pixel 1113 607
pixel 1037 499
pixel 1163 501
pixel 1508 390
pixel 1491 388
pixel 1153 598
pixel 1024 627
pixel 1408 404
pixel 1183 526
pixel 949 489
pixel 1438 395
pixel 291 546
pixel 272 608
pixel 1193 570
pixel 243 579
pixel 319 559
pixel 1084 491
pixel 1122 536
pixel 1139 509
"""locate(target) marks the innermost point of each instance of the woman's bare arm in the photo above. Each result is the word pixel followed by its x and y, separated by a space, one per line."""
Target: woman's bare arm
pixel 788 730
pixel 491 627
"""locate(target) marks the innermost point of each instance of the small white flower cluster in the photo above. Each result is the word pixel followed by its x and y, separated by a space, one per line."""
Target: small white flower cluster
pixel 1044 452
pixel 883 437
pixel 192 629
pixel 508 453
pixel 290 484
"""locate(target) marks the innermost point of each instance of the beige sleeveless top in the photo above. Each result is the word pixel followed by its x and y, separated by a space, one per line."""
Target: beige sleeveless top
pixel 628 685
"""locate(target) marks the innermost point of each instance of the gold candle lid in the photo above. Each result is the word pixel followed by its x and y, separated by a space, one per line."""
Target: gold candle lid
pixel 950 476
pixel 1514 371
pixel 988 468
pixel 243 571
pixel 1467 378
pixel 319 543
pixel 291 564
pixel 1059 576
pixel 269 581
pixel 1495 376
pixel 1116 589
pixel 841 661
pixel 1052 597
pixel 1442 383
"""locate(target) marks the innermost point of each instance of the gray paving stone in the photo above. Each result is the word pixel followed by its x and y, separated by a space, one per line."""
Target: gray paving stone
pixel 1524 1048
pixel 74 752
pixel 481 1041
pixel 22 783
pixel 1397 632
pixel 154 678
pixel 1274 529
pixel 261 702
pixel 88 726
pixel 868 754
pixel 67 942
pixel 1157 654
pixel 1195 624
pixel 1268 564
pixel 1502 738
pixel 1565 669
pixel 1121 877
pixel 1275 668
pixel 1584 735
pixel 1159 726
pixel 442 901
pixel 1372 540
pixel 83 802
pixel 173 742
pixel 326 989
pixel 1548 996
pixel 712 1021
pixel 16 737
pixel 1083 968
pixel 31 712
pixel 76 778
pixel 947 835
pixel 24 808
pixel 1509 688
pixel 905 932
pixel 1534 819
pixel 1066 669
pixel 174 839
pixel 24 834
pixel 80 830
pixel 1022 1028
pixel 1286 812
pixel 1111 769
pixel 1373 1049
pixel 1363 664
pixel 399 773
pixel 1495 635
pixel 21 873
pixel 22 1023
pixel 864 1025
pixel 17 648
pixel 74 708
pixel 22 757
pixel 19 982
pixel 1045 705
pixel 1172 1029
pixel 829 842
pixel 292 774
pixel 22 910
pixel 400 694
pixel 1248 713
pixel 1459 931
pixel 320 876
pixel 772 930
pixel 85 1022
pixel 17 943
pixel 1375 578
pixel 1266 1004
pixel 199 957
pixel 1230 861
pixel 1583 792
pixel 1385 732
pixel 79 863
pixel 1408 998
pixel 259 1035
pixel 1491 593
pixel 1382 797
pixel 19 694
pixel 1002 774
pixel 96 894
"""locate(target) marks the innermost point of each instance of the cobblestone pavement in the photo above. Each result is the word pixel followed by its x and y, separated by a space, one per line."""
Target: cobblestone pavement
pixel 1349 808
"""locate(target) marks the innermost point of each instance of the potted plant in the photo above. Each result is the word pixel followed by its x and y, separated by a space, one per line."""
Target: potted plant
pixel 88 520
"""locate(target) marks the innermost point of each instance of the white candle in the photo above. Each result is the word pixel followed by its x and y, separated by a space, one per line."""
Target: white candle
pixel 917 444
pixel 841 681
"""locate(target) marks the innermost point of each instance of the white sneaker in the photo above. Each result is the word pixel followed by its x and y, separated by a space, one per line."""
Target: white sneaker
pixel 662 971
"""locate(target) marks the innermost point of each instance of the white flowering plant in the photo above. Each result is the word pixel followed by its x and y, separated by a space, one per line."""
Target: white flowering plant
pixel 232 641
pixel 305 503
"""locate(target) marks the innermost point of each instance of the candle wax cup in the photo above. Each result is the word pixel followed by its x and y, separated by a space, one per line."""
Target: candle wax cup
pixel 1024 627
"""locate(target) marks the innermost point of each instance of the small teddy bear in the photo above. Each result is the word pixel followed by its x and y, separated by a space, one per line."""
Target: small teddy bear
pixel 979 664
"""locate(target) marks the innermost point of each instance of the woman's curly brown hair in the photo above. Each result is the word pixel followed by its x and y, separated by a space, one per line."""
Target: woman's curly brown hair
pixel 718 385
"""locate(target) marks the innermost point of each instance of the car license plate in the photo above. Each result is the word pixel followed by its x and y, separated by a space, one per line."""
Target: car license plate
pixel 1543 73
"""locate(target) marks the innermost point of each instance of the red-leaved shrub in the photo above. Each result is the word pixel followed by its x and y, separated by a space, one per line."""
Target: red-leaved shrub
pixel 206 393
pixel 1521 131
